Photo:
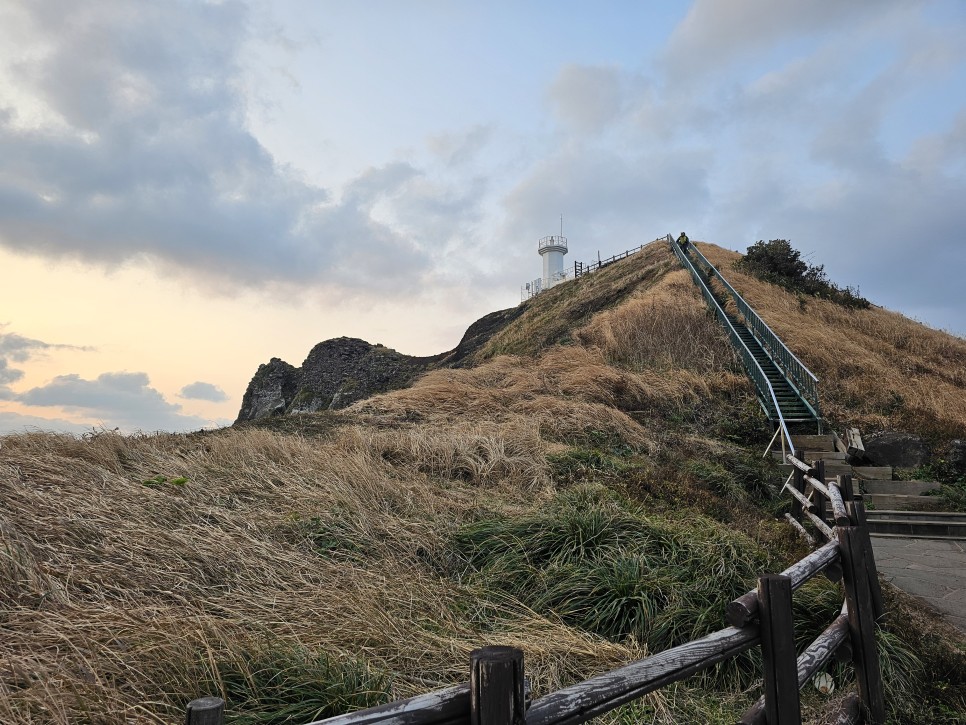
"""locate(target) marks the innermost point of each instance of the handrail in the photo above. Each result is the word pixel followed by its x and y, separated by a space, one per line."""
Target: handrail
pixel 751 365
pixel 803 378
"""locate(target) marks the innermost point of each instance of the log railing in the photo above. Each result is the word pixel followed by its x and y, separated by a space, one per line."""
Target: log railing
pixel 496 692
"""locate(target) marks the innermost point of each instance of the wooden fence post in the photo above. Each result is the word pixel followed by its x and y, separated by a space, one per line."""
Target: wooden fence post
pixel 205 711
pixel 845 486
pixel 818 472
pixel 878 604
pixel 497 686
pixel 782 706
pixel 798 482
pixel 861 622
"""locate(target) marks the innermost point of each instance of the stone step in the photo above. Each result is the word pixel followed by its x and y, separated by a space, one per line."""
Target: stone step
pixel 912 524
pixel 907 488
pixel 950 517
pixel 814 442
pixel 900 502
pixel 840 468
pixel 876 473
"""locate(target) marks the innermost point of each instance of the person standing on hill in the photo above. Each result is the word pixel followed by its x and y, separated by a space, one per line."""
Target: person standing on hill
pixel 683 240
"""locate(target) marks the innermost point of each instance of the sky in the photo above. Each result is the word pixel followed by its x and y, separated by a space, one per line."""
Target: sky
pixel 189 188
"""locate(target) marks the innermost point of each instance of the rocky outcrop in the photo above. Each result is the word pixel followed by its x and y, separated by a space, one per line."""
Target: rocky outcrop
pixel 339 372
pixel 901 450
pixel 270 390
pixel 335 374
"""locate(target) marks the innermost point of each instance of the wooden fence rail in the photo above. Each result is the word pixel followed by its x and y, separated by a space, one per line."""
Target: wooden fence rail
pixel 581 268
pixel 497 693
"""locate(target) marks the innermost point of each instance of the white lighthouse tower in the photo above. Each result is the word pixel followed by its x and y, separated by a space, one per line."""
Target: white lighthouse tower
pixel 553 249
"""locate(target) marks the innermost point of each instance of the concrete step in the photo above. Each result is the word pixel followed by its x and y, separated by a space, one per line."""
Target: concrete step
pixel 840 468
pixel 900 502
pixel 814 442
pixel 907 488
pixel 810 456
pixel 876 473
pixel 912 524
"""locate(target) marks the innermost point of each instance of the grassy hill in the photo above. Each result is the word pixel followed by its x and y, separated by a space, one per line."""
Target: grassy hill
pixel 589 488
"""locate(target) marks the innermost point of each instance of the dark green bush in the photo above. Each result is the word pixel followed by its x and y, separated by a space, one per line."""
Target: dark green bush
pixel 776 261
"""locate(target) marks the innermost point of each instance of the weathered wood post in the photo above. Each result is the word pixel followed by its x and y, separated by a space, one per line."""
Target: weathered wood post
pixel 858 595
pixel 818 473
pixel 205 711
pixel 845 486
pixel 497 687
pixel 798 483
pixel 782 706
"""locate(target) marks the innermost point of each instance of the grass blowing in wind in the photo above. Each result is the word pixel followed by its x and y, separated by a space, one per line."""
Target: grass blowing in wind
pixel 591 495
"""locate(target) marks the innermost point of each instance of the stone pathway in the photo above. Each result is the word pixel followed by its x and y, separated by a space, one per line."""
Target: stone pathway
pixel 931 569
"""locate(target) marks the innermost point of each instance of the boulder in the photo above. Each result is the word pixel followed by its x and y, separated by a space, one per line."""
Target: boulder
pixel 895 448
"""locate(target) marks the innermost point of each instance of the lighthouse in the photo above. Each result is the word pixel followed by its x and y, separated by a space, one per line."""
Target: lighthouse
pixel 552 249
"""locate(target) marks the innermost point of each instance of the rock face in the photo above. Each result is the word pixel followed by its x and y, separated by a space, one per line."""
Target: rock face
pixel 902 450
pixel 339 372
pixel 335 374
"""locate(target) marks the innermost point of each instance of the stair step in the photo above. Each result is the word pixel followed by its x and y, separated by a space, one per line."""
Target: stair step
pixel 814 442
pixel 873 472
pixel 900 502
pixel 932 524
pixel 947 517
pixel 810 456
pixel 908 488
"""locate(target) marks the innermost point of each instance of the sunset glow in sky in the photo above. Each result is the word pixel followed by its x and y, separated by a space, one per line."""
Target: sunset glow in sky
pixel 190 188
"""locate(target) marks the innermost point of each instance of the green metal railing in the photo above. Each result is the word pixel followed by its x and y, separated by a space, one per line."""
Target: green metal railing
pixel 765 391
pixel 794 370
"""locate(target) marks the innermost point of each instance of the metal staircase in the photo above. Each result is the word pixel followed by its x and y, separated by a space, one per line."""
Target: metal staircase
pixel 787 390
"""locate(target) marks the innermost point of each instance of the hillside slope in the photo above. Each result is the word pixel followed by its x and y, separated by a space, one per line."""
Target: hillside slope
pixel 589 487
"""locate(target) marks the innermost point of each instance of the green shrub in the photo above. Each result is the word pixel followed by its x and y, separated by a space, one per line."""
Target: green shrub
pixel 275 683
pixel 776 261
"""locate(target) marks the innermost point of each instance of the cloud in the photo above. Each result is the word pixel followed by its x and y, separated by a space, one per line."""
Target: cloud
pixel 586 98
pixel 11 422
pixel 122 399
pixel 203 391
pixel 140 148
pixel 714 35
pixel 19 349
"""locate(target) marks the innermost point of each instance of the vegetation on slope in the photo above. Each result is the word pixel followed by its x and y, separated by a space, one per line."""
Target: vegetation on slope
pixel 776 261
pixel 322 562
pixel 877 370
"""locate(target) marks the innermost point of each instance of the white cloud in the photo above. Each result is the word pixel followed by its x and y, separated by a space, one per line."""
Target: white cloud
pixel 586 98
pixel 203 391
pixel 147 153
pixel 121 399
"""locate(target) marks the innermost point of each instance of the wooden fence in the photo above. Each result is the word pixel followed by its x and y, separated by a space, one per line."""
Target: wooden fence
pixel 581 268
pixel 496 693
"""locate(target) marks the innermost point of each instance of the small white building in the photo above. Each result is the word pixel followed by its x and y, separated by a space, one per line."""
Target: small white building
pixel 552 249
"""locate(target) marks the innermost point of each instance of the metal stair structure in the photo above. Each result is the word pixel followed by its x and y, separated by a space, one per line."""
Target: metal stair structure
pixel 786 389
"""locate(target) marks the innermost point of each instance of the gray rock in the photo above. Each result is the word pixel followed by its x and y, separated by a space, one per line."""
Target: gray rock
pixel 270 390
pixel 337 373
pixel 895 448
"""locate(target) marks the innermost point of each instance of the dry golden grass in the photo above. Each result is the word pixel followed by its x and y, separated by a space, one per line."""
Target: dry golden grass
pixel 570 392
pixel 119 600
pixel 553 315
pixel 662 327
pixel 876 368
